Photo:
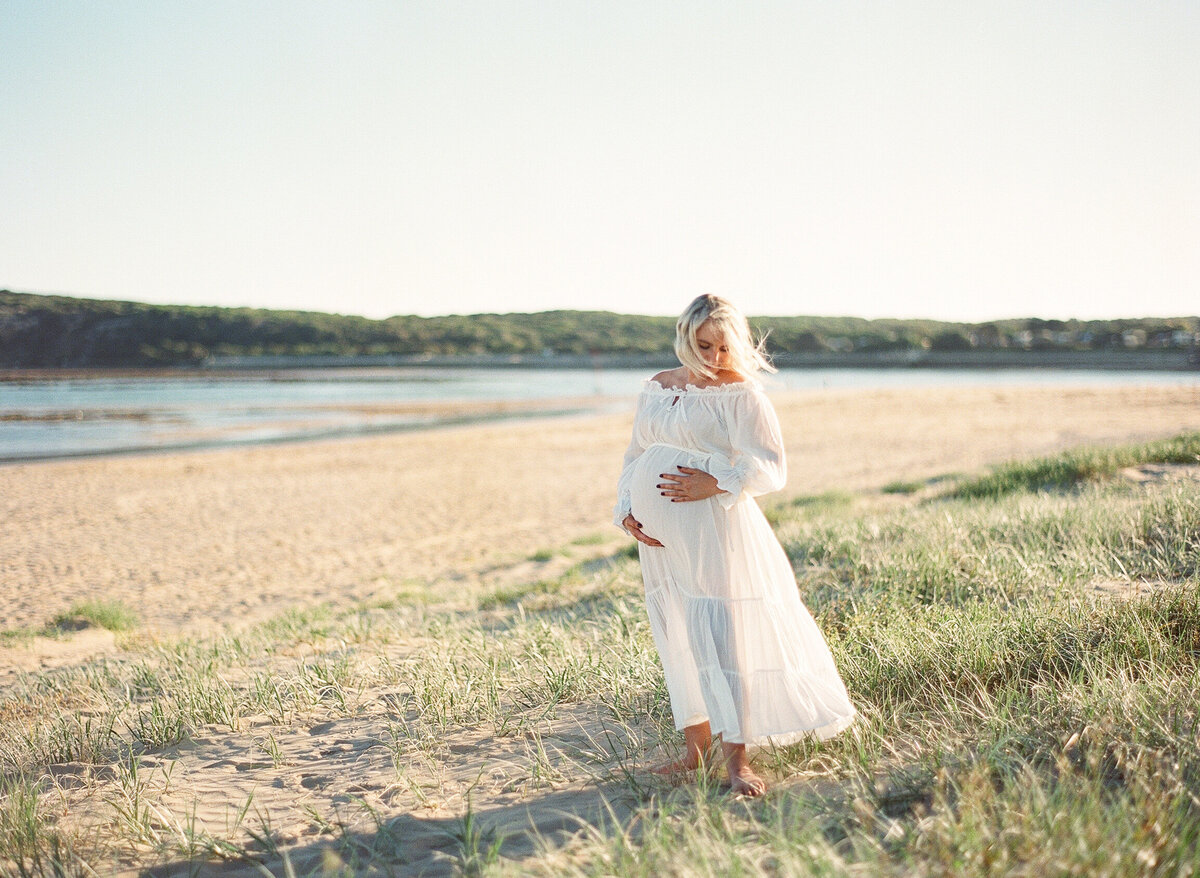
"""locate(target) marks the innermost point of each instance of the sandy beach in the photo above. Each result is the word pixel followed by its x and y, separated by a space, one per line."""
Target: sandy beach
pixel 204 539
pixel 207 542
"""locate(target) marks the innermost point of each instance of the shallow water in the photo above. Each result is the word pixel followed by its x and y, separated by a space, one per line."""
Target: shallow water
pixel 44 417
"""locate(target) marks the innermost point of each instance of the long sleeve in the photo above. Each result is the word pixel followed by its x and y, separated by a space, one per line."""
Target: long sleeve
pixel 624 503
pixel 757 465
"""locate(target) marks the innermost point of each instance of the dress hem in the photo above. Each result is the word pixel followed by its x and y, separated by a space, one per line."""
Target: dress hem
pixel 785 739
pixel 821 733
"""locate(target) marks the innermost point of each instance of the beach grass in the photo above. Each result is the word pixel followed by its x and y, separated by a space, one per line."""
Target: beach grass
pixel 1078 465
pixel 111 615
pixel 902 486
pixel 1024 658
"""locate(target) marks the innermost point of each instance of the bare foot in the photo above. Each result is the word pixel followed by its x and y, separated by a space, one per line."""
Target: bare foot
pixel 678 766
pixel 742 779
pixel 744 782
pixel 697 739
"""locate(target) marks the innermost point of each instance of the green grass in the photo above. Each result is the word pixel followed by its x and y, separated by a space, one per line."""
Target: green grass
pixel 30 845
pixel 111 615
pixel 815 504
pixel 18 636
pixel 1078 465
pixel 824 501
pixel 1015 720
pixel 903 487
pixel 515 594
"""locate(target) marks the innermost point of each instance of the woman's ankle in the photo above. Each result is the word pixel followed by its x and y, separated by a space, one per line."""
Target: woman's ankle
pixel 735 756
pixel 697 742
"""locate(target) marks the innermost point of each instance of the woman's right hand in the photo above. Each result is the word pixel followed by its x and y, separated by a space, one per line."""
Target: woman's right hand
pixel 634 527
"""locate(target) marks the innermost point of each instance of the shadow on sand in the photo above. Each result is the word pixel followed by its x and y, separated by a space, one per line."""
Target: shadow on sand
pixel 408 845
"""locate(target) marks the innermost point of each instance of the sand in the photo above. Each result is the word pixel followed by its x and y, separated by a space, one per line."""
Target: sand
pixel 205 541
pixel 208 538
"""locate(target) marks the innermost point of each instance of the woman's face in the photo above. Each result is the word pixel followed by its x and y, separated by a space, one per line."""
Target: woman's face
pixel 712 348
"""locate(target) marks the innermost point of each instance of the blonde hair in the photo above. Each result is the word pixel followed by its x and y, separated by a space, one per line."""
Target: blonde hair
pixel 747 355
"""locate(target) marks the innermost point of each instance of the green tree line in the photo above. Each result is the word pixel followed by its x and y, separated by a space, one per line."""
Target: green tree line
pixel 39 331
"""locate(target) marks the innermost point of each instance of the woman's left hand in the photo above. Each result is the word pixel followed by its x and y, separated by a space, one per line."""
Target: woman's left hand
pixel 694 484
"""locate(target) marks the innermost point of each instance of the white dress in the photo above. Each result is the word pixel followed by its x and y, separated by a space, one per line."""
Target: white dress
pixel 738 646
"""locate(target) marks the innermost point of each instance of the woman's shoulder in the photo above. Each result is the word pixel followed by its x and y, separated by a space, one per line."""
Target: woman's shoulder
pixel 678 380
pixel 734 379
pixel 668 379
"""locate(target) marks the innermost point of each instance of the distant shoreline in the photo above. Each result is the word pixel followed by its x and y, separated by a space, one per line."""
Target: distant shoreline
pixel 1169 360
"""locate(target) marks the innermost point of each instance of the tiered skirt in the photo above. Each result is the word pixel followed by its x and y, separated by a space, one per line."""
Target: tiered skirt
pixel 739 648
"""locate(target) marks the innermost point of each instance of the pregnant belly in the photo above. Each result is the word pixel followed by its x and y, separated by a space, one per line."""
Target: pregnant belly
pixel 660 518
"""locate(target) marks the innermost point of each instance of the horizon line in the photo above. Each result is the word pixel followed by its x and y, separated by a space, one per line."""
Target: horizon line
pixel 296 310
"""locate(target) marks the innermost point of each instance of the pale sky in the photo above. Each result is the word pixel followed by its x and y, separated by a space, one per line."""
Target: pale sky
pixel 958 160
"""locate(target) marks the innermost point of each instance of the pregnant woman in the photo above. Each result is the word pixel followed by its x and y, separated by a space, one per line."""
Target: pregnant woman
pixel 743 658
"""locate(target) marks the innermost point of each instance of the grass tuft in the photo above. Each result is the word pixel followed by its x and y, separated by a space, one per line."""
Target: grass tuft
pixel 1077 465
pixel 903 487
pixel 111 615
pixel 30 845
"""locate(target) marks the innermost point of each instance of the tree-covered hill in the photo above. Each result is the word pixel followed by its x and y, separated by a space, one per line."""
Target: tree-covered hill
pixel 58 331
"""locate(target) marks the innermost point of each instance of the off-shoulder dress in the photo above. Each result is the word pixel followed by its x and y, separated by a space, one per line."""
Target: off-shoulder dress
pixel 738 647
